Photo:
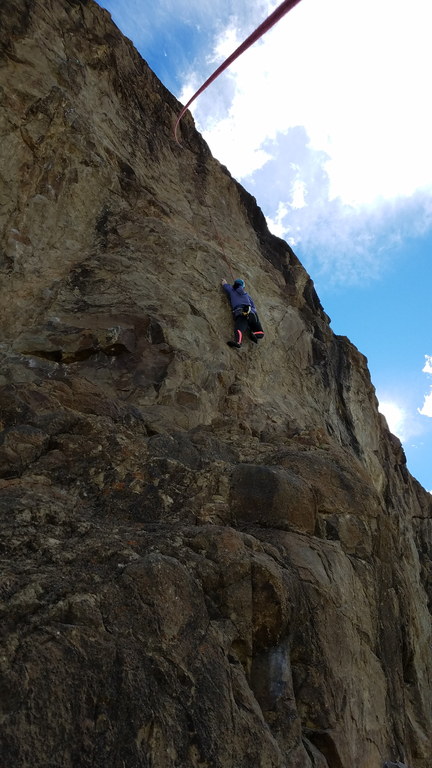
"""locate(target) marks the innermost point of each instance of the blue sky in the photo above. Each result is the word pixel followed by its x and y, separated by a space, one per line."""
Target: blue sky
pixel 327 122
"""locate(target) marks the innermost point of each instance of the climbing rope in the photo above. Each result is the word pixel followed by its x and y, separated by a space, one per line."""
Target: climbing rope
pixel 269 22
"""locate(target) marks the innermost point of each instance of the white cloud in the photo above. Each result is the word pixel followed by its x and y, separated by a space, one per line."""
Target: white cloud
pixel 396 418
pixel 298 191
pixel 402 419
pixel 353 78
pixel 428 364
pixel 277 225
pixel 426 410
pixel 355 75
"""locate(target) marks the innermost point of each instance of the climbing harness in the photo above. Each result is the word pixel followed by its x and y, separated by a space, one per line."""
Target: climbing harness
pixel 244 310
pixel 269 22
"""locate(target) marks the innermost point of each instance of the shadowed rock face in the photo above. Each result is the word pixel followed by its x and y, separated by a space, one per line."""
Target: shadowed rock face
pixel 211 558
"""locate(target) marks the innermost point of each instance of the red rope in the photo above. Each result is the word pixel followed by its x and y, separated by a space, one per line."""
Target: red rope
pixel 274 17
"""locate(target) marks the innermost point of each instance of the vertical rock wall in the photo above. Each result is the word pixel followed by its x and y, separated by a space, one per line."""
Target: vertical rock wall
pixel 209 557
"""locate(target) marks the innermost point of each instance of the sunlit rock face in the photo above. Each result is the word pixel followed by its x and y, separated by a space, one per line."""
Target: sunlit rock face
pixel 212 558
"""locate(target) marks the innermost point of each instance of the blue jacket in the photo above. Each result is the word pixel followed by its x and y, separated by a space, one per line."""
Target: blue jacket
pixel 238 298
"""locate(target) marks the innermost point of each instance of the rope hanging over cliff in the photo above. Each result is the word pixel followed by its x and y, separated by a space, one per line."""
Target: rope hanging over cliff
pixel 269 22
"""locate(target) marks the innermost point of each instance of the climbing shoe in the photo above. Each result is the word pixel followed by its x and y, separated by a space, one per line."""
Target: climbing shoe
pixel 253 338
pixel 234 344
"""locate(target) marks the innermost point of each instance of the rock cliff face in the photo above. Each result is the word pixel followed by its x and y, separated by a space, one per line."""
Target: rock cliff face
pixel 211 558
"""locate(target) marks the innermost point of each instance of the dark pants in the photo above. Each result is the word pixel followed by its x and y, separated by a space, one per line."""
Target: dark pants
pixel 249 322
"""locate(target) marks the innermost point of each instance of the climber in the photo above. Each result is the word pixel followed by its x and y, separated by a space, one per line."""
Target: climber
pixel 244 312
